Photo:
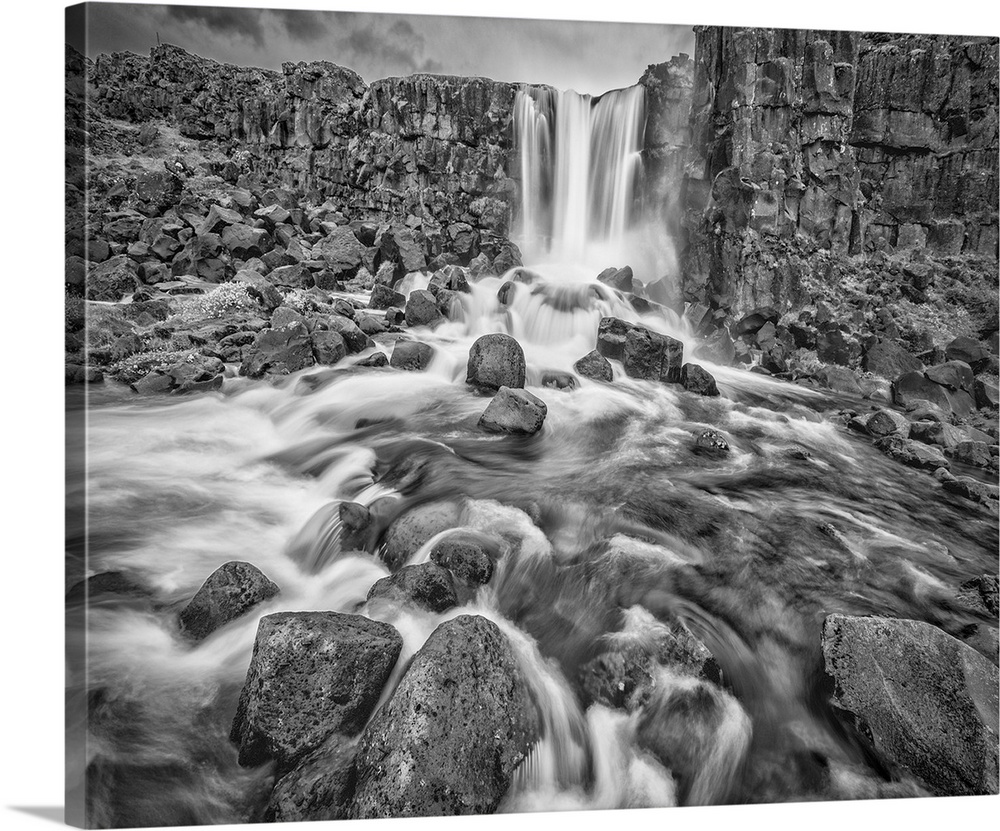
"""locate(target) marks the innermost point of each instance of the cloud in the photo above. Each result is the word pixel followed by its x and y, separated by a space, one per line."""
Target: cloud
pixel 396 49
pixel 245 23
pixel 308 26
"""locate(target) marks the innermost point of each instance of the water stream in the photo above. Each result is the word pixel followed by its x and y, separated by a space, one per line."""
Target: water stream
pixel 608 508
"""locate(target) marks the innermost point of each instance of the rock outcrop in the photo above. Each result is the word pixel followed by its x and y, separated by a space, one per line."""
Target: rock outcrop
pixel 229 592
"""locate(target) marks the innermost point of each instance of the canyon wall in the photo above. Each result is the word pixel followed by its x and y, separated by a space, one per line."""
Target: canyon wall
pixel 814 147
pixel 434 147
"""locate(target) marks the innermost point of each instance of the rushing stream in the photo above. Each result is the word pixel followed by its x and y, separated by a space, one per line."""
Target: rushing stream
pixel 607 508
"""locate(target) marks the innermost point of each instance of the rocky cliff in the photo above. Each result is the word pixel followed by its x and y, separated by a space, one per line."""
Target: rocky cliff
pixel 814 149
pixel 434 147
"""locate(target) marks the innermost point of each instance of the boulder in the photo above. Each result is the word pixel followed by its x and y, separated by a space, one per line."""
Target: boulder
pixel 699 733
pixel 320 787
pixel 839 379
pixel 911 453
pixel 312 675
pixel 397 245
pixel 889 360
pixel 913 387
pixel 617 278
pixel 754 320
pixel 514 411
pixel 245 241
pixel 967 350
pixel 453 733
pixel 112 279
pixel 217 220
pixel 953 375
pixel 354 338
pixel 376 359
pixel 341 252
pixel 925 700
pixel 976 453
pixel 465 559
pixel 328 347
pixel 556 380
pixel 887 423
pixel 645 354
pixel 286 316
pixel 987 394
pixel 595 366
pixel 410 531
pixel 426 584
pixel 383 297
pixel 422 309
pixel 496 361
pixel 356 528
pixel 230 591
pixel 279 351
pixel 698 380
pixel 980 594
pixel 711 443
pixel 936 432
pixel 411 355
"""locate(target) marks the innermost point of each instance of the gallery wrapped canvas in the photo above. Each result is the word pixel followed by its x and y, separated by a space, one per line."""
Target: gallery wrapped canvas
pixel 460 424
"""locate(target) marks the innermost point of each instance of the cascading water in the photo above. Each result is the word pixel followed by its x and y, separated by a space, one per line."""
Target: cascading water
pixel 602 524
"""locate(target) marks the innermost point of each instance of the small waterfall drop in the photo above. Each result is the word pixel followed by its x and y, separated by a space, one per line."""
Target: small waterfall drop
pixel 581 163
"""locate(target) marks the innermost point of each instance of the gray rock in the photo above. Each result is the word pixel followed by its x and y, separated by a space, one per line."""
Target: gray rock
pixel 595 366
pixel 927 701
pixel 426 584
pixel 644 353
pixel 936 432
pixel 112 279
pixel 341 252
pixel 245 241
pixel 328 347
pixel 987 394
pixel 980 594
pixel 453 733
pixel 968 350
pixel 383 297
pixel 320 787
pixel 911 453
pixel 229 592
pixel 914 387
pixel 889 360
pixel 495 361
pixel 312 675
pixel 467 560
pixel 617 278
pixel 887 423
pixel 554 379
pixel 514 411
pixel 411 355
pixel 279 351
pixel 976 453
pixel 698 380
pixel 354 338
pixel 953 375
pixel 414 528
pixel 711 443
pixel 839 379
pixel 422 309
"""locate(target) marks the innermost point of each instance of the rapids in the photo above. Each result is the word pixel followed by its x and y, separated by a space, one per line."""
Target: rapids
pixel 607 521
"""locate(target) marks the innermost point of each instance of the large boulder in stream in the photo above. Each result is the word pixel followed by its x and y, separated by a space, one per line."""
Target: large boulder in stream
pixel 496 360
pixel 698 380
pixel 514 411
pixel 456 728
pixel 414 528
pixel 644 354
pixel 425 584
pixel 595 366
pixel 422 309
pixel 927 701
pixel 320 787
pixel 312 675
pixel 279 351
pixel 230 591
pixel 411 355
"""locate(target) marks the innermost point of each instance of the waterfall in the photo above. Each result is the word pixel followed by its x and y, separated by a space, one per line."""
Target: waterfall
pixel 580 163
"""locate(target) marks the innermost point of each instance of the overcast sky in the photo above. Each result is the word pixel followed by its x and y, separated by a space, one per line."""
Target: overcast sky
pixel 586 56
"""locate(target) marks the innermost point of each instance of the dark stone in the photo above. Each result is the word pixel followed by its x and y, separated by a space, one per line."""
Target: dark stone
pixel 889 360
pixel 383 297
pixel 426 584
pixel 495 361
pixel 354 338
pixel 312 675
pixel 887 423
pixel 644 354
pixel 911 453
pixel 554 379
pixel 987 394
pixel 422 309
pixel 924 699
pixel 411 355
pixel 411 530
pixel 229 592
pixel 912 387
pixel 279 351
pixel 245 241
pixel 376 359
pixel 505 294
pixel 750 323
pixel 321 787
pixel 116 583
pixel 595 366
pixel 328 347
pixel 617 278
pixel 980 594
pixel 112 279
pixel 453 733
pixel 341 252
pixel 698 380
pixel 514 411
pixel 976 453
pixel 467 560
pixel 711 443
pixel 968 350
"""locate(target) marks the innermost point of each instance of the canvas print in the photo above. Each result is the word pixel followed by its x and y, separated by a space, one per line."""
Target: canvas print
pixel 474 415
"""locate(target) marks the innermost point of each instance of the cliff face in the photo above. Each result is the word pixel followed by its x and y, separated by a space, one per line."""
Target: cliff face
pixel 432 146
pixel 810 146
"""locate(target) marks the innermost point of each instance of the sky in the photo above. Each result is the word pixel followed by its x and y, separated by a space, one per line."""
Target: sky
pixel 590 57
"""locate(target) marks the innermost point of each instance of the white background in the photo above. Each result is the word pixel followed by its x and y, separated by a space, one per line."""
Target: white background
pixel 31 314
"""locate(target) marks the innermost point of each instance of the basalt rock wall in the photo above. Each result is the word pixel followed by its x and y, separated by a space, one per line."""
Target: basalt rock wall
pixel 812 147
pixel 435 147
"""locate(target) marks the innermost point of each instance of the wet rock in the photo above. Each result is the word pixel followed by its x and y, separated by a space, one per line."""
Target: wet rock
pixel 370 325
pixel 376 359
pixel 341 252
pixel 286 316
pixel 245 241
pixel 698 380
pixel 383 297
pixel 925 700
pixel 699 733
pixel 397 245
pixel 839 379
pixel 980 594
pixel 229 592
pixel 644 354
pixel 887 423
pixel 987 394
pixel 354 338
pixel 320 787
pixel 914 387
pixel 312 675
pixel 595 366
pixel 952 375
pixel 426 584
pixel 112 279
pixel 279 351
pixel 514 411
pixel 889 360
pixel 465 559
pixel 976 453
pixel 617 278
pixel 553 379
pixel 295 276
pixel 495 361
pixel 911 453
pixel 260 289
pixel 153 383
pixel 217 220
pixel 456 728
pixel 711 443
pixel 967 350
pixel 505 294
pixel 115 583
pixel 356 528
pixel 936 432
pixel 411 355
pixel 410 531
pixel 422 309
pixel 328 347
